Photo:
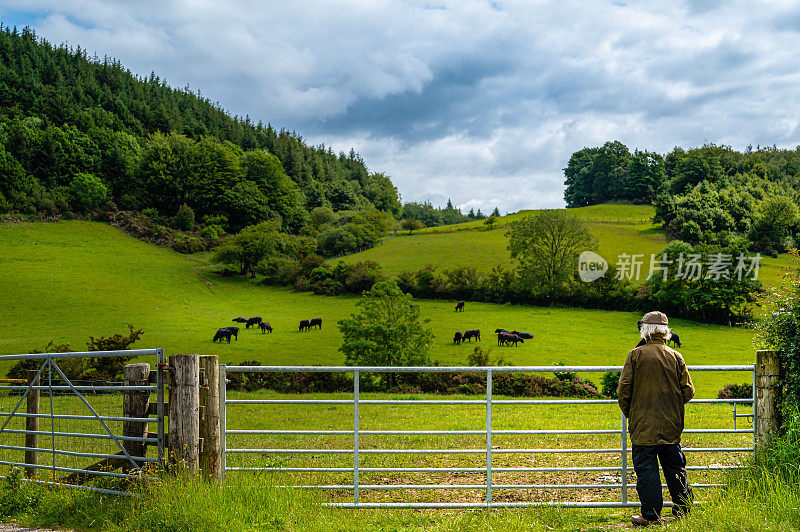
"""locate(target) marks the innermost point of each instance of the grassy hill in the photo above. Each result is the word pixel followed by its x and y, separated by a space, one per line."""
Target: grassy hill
pixel 619 228
pixel 65 281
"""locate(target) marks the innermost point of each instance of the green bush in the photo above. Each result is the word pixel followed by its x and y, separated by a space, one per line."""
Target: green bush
pixel 736 391
pixel 88 191
pixel 567 376
pixel 609 383
pixel 184 218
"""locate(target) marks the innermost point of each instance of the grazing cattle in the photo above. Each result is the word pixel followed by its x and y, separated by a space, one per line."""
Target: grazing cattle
pixel 240 320
pixel 234 332
pixel 457 338
pixel 498 331
pixel 469 334
pixel 523 335
pixel 675 339
pixel 252 321
pixel 460 306
pixel 265 326
pixel 305 325
pixel 508 339
pixel 315 322
pixel 223 333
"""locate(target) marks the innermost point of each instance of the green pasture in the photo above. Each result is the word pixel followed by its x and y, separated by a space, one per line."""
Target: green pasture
pixel 66 281
pixel 619 229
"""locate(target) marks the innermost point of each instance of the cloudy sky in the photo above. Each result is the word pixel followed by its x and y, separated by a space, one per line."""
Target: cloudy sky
pixel 479 101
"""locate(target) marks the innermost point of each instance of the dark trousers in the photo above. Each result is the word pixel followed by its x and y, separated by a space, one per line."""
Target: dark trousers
pixel 648 482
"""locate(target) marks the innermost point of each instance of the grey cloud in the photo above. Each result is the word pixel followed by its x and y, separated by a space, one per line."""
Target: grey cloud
pixel 481 102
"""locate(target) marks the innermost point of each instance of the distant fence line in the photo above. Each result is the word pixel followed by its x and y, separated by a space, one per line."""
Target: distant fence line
pixel 455 227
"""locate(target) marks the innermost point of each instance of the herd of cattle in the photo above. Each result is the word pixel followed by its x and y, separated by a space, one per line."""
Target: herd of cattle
pixel 504 337
pixel 225 333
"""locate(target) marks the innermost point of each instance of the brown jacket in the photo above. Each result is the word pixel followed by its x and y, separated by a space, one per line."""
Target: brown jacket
pixel 652 390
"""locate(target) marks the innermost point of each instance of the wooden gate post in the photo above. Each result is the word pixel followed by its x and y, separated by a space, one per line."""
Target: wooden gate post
pixel 211 452
pixel 32 425
pixel 767 374
pixel 134 404
pixel 184 411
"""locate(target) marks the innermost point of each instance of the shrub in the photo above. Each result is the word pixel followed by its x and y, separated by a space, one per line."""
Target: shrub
pixel 184 218
pixel 567 376
pixel 609 383
pixel 188 244
pixel 88 191
pixel 736 391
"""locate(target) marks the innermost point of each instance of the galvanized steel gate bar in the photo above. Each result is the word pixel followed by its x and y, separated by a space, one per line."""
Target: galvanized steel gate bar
pixel 357 451
pixel 49 362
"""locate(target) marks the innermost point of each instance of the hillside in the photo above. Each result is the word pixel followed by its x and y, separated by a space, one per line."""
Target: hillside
pixel 75 131
pixel 65 281
pixel 619 229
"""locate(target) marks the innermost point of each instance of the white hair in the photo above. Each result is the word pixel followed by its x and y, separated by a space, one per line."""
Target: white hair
pixel 651 330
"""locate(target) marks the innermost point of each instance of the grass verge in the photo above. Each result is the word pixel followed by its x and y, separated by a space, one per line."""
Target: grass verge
pixel 756 500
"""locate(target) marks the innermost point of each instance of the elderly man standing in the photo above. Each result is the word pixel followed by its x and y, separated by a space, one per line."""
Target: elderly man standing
pixel 653 388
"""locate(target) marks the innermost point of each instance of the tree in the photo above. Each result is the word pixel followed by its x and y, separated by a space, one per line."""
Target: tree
pixel 776 216
pixel 250 246
pixel 88 191
pixel 546 247
pixel 644 175
pixel 490 221
pixel 386 330
pixel 496 212
pixel 694 292
pixel 184 219
pixel 411 225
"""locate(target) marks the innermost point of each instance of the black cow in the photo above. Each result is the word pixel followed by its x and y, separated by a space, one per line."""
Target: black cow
pixel 469 334
pixel 234 332
pixel 240 320
pixel 305 325
pixel 252 321
pixel 223 333
pixel 508 339
pixel 265 326
pixel 523 335
pixel 315 322
pixel 675 339
pixel 460 306
pixel 457 338
pixel 498 331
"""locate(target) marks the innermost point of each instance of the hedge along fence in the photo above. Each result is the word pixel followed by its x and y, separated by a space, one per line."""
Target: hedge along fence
pixel 511 384
pixel 471 225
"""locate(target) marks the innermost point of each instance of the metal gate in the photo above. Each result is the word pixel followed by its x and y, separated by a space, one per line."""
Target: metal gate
pixel 275 458
pixel 83 423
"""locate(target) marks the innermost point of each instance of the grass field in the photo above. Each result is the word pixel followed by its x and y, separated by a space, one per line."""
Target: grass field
pixel 619 229
pixel 68 280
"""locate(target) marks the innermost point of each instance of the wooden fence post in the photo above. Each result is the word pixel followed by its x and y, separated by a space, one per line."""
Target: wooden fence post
pixel 184 411
pixel 767 374
pixel 134 404
pixel 211 453
pixel 32 425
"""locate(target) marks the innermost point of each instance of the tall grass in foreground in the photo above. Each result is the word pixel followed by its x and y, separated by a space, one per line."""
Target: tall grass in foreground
pixel 755 500
pixel 766 496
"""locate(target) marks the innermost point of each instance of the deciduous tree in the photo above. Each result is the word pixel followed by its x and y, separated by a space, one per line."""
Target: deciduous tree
pixel 546 247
